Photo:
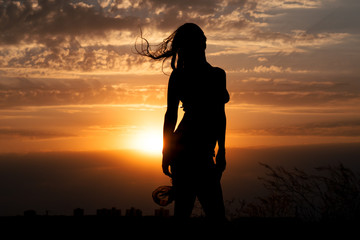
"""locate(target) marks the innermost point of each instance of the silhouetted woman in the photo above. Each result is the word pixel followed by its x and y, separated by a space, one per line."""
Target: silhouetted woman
pixel 188 152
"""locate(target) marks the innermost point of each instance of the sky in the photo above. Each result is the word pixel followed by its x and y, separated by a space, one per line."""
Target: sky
pixel 71 81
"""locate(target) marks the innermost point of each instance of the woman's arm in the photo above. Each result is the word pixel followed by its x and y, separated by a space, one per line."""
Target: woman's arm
pixel 170 122
pixel 221 131
pixel 221 125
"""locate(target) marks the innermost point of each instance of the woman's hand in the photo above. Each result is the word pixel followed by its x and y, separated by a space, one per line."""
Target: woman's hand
pixel 221 160
pixel 166 164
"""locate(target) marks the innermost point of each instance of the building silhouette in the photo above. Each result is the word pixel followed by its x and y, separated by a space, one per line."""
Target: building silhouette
pixel 30 213
pixel 133 212
pixel 108 212
pixel 78 212
pixel 162 212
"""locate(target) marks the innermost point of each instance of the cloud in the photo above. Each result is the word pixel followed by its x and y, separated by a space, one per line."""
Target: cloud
pixel 64 39
pixel 281 4
pixel 51 22
pixel 262 41
pixel 72 57
pixel 166 15
pixel 99 35
pixel 273 69
pixel 270 86
pixel 44 92
pixel 319 16
pixel 31 134
pixel 294 98
pixel 63 35
pixel 288 87
pixel 346 128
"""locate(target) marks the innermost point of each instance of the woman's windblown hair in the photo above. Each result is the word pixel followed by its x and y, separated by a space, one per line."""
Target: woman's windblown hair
pixel 188 38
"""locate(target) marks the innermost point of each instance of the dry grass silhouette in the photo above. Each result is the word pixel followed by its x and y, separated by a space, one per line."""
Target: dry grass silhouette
pixel 329 193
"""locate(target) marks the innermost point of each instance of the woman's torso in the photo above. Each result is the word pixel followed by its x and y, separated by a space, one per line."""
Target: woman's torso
pixel 202 92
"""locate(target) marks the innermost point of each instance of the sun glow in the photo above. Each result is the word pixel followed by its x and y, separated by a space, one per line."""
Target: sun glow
pixel 150 141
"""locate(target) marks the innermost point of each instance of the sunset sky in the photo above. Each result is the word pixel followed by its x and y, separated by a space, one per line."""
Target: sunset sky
pixel 70 79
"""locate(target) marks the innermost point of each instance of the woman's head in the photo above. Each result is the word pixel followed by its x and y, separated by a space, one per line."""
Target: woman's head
pixel 189 37
pixel 186 42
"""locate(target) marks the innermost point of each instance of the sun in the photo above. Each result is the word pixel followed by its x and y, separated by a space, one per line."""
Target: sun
pixel 150 141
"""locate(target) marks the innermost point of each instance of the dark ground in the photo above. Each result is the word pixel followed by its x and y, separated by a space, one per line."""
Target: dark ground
pixel 55 227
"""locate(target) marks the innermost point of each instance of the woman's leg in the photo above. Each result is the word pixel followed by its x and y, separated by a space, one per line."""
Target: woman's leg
pixel 184 199
pixel 209 193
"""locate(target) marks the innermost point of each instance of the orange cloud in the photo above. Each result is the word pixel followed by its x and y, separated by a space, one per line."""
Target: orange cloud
pixel 349 128
pixel 47 92
pixel 32 134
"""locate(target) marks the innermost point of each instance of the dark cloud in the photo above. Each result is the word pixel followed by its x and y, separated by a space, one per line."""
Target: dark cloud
pixel 339 16
pixel 211 15
pixel 61 30
pixel 200 6
pixel 51 22
pixel 318 17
